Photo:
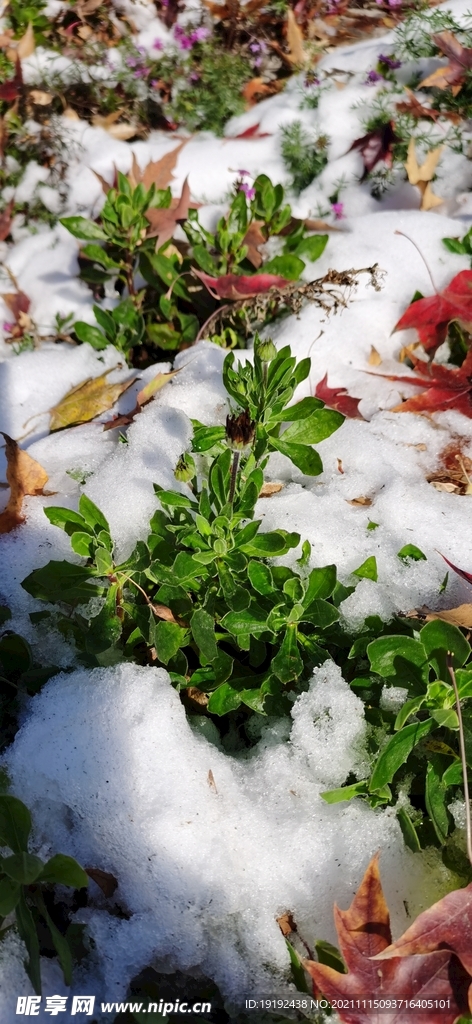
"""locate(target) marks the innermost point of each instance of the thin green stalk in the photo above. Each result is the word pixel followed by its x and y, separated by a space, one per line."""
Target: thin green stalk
pixel 468 822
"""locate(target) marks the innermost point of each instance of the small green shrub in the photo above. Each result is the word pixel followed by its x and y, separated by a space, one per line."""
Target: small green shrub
pixel 303 157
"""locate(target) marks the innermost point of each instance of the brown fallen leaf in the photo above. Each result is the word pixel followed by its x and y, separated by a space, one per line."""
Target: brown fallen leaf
pixel 145 396
pixel 40 98
pixel 451 76
pixel 362 501
pixel 5 222
pixel 267 490
pixel 24 476
pixel 286 924
pixel 211 781
pixel 454 474
pixel 416 109
pixel 460 616
pixel 86 401
pixel 121 131
pixel 253 239
pixel 26 45
pixel 422 176
pixel 163 222
pixel 104 879
pixel 297 53
pixel 256 89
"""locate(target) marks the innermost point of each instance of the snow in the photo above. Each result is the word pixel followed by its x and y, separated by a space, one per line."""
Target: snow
pixel 114 772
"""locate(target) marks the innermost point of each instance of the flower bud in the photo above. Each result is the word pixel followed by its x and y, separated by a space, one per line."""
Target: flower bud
pixel 185 468
pixel 265 350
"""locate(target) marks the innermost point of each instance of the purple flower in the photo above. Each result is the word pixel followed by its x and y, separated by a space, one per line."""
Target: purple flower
pixel 311 80
pixel 244 174
pixel 373 77
pixel 389 62
pixel 7 326
pixel 199 34
pixel 338 210
pixel 194 76
pixel 140 72
pixel 158 44
pixel 248 191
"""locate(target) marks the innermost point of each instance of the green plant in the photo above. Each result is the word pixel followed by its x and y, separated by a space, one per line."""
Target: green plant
pixel 19 675
pixel 303 156
pixel 205 85
pixel 25 886
pixel 462 246
pixel 410 765
pixel 19 15
pixel 200 593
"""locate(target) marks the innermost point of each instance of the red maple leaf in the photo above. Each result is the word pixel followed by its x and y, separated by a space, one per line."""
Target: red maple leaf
pixel 376 146
pixel 431 317
pixel 415 969
pixel 338 398
pixel 233 286
pixel 10 90
pixel 446 388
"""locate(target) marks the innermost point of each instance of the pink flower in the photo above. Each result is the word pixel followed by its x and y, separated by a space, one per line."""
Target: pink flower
pixel 7 327
pixel 338 210
pixel 158 44
pixel 248 191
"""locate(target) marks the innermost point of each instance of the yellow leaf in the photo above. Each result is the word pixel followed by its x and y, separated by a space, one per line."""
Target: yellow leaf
pixel 24 476
pixel 87 400
pixel 26 45
pixel 460 616
pixel 155 385
pixel 429 199
pixel 70 112
pixel 427 170
pixel 268 489
pixel 375 358
pixel 40 98
pixel 295 40
pixel 361 501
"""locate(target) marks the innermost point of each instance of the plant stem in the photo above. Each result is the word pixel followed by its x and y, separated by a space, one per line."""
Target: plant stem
pixel 468 823
pixel 234 473
pixel 402 233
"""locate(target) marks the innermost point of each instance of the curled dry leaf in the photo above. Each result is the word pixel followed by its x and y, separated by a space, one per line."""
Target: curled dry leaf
pixel 286 924
pixel 86 401
pixel 460 62
pixel 256 89
pixel 146 395
pixel 104 879
pixel 40 98
pixel 361 502
pixel 24 476
pixel 460 616
pixel 376 146
pixel 375 358
pixel 253 239
pixel 297 53
pixel 268 489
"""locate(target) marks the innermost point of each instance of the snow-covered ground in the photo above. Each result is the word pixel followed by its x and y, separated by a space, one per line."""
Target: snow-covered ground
pixel 106 759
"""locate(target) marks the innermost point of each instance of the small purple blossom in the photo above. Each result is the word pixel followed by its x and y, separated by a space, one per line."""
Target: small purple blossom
pixel 249 192
pixel 199 34
pixel 186 42
pixel 244 174
pixel 140 72
pixel 389 62
pixel 7 327
pixel 373 77
pixel 311 80
pixel 338 210
pixel 158 44
pixel 194 76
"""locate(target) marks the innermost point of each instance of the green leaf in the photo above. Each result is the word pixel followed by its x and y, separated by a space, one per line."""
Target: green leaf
pixel 80 227
pixel 411 551
pixel 10 892
pixel 330 955
pixel 410 707
pixel 15 654
pixel 336 796
pixel 399 658
pixel 440 637
pixel 92 515
pixel 454 245
pixel 250 621
pixel 287 265
pixel 90 335
pixel 435 798
pixel 446 717
pixel 260 577
pixel 175 500
pixel 169 637
pixel 315 428
pixel 23 867
pixel 64 870
pixel 202 625
pixel 410 834
pixel 300 411
pixel 453 776
pixel 223 700
pixel 65 518
pixel 320 613
pixel 277 542
pixel 312 247
pixel 298 974
pixel 287 664
pixel 368 569
pixel 27 930
pixel 61 582
pixel 321 584
pixel 61 945
pixel 397 751
pixel 98 255
pixel 82 543
pixel 302 456
pixel 15 823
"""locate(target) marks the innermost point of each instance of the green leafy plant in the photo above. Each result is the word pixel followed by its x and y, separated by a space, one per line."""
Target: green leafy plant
pixel 415 750
pixel 303 157
pixel 205 85
pixel 19 15
pixel 19 675
pixel 200 593
pixel 25 882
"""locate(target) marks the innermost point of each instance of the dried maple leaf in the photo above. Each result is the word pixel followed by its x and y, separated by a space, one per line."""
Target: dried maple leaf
pixel 163 222
pixel 460 616
pixel 87 400
pixel 232 286
pixel 467 576
pixel 376 146
pixel 364 937
pixel 297 53
pixel 338 398
pixel 422 176
pixel 454 472
pixel 145 396
pixel 253 239
pixel 268 489
pixel 104 879
pixel 431 316
pixel 11 90
pixel 24 476
pixel 446 388
pixel 18 303
pixel 452 76
pixel 256 89
pixel 415 108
